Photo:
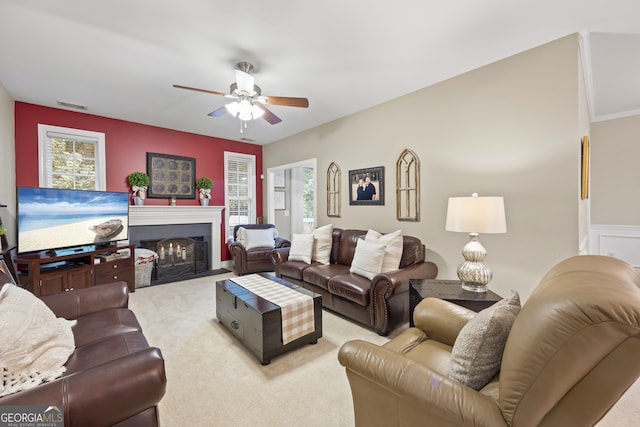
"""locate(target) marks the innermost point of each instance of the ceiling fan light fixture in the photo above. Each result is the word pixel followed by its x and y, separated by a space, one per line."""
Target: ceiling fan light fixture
pixel 233 108
pixel 244 110
pixel 256 111
pixel 247 101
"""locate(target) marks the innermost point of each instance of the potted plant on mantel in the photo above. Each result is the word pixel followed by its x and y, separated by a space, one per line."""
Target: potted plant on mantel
pixel 205 185
pixel 139 182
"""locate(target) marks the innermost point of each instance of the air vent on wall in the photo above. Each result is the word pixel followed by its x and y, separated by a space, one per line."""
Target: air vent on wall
pixel 247 140
pixel 70 105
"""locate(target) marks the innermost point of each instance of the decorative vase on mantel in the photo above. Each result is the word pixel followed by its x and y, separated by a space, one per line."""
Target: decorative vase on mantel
pixel 139 181
pixel 138 195
pixel 138 200
pixel 204 185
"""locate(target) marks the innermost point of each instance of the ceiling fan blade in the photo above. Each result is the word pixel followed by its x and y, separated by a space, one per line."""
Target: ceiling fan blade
pixel 219 112
pixel 213 92
pixel 288 101
pixel 268 115
pixel 245 81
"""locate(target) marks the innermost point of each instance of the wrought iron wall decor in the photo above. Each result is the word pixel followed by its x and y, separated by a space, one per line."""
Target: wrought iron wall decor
pixel 408 186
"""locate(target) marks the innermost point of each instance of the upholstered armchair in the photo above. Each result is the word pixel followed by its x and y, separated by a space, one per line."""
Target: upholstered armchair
pixel 251 246
pixel 572 351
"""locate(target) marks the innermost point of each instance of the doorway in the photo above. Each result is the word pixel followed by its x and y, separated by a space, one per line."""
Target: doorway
pixel 291 198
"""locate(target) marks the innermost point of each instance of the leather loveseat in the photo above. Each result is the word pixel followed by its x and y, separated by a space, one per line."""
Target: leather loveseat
pixel 381 303
pixel 113 378
pixel 570 355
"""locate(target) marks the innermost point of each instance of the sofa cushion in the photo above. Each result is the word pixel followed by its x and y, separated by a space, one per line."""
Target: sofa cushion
pixel 352 287
pixel 319 274
pixel 102 351
pixel 34 343
pixel 256 238
pixel 477 353
pixel 367 261
pixel 259 254
pixel 393 248
pixel 292 269
pixel 347 247
pixel 102 324
pixel 323 240
pixel 301 248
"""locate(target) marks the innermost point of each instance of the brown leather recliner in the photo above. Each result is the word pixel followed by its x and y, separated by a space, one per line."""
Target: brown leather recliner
pixel 113 378
pixel 253 260
pixel 572 352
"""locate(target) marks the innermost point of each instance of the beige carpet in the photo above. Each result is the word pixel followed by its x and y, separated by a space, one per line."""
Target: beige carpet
pixel 214 381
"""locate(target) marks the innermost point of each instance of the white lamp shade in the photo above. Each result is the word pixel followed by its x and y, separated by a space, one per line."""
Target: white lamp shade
pixel 476 215
pixel 232 108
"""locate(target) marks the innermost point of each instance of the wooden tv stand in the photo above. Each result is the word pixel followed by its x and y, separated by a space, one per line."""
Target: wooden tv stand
pixel 48 275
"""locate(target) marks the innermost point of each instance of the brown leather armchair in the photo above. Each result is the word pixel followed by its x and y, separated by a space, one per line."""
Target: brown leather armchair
pixel 113 378
pixel 253 259
pixel 570 355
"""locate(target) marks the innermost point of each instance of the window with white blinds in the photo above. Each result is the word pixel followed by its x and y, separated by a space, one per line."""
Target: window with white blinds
pixel 71 158
pixel 240 182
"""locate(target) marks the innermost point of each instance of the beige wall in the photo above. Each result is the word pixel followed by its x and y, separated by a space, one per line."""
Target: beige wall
pixel 511 128
pixel 7 163
pixel 615 174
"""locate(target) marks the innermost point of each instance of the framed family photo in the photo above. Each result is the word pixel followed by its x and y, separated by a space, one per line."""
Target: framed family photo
pixel 366 186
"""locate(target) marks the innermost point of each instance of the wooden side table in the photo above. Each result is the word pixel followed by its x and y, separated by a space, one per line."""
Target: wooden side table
pixel 448 290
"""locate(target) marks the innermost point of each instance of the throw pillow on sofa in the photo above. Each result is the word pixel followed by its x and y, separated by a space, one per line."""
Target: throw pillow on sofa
pixel 367 259
pixel 323 240
pixel 34 344
pixel 477 352
pixel 393 248
pixel 301 248
pixel 259 238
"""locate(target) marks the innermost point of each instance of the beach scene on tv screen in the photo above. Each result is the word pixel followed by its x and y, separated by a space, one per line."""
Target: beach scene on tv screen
pixel 49 218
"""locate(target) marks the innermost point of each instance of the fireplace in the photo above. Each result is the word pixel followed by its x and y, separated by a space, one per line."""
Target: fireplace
pixel 156 223
pixel 178 258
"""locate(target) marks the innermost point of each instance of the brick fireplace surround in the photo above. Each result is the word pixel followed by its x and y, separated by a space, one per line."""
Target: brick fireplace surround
pixel 171 215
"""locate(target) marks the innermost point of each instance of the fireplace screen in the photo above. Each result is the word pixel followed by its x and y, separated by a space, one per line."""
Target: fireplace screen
pixel 178 257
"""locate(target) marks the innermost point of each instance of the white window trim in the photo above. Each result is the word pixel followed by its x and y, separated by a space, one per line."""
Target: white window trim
pixel 80 135
pixel 251 190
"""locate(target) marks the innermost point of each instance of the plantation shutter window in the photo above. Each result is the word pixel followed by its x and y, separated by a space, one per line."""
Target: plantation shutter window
pixel 71 158
pixel 240 178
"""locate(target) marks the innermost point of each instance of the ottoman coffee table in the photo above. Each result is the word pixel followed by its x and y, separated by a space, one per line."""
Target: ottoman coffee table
pixel 258 322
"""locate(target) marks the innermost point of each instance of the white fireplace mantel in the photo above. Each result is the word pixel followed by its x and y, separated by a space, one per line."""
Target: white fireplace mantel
pixel 167 215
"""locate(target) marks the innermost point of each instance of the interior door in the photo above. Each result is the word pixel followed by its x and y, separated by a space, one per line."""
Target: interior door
pixel 292 197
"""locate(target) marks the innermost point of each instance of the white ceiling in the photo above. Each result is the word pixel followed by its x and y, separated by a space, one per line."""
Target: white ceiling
pixel 120 58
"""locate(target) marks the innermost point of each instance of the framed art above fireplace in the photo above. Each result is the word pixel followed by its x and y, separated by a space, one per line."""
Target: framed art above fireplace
pixel 171 176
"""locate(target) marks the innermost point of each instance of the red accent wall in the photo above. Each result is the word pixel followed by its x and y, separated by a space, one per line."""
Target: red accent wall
pixel 126 148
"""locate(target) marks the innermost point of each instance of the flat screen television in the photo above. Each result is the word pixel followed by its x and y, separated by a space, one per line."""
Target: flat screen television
pixel 53 218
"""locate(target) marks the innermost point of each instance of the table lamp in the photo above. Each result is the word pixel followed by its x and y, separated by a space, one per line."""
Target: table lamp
pixel 475 215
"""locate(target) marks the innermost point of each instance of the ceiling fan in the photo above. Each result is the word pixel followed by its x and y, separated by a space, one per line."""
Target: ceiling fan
pixel 249 103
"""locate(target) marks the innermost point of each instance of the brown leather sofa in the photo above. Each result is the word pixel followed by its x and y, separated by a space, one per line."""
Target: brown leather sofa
pixel 570 355
pixel 381 303
pixel 113 378
pixel 252 260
